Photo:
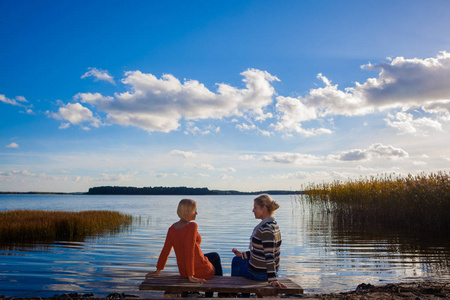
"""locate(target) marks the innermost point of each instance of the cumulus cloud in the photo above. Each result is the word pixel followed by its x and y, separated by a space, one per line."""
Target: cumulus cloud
pixel 405 123
pixel 75 114
pixel 159 104
pixel 99 75
pixel 374 151
pixel 12 145
pixel 184 154
pixel 401 83
pixel 411 82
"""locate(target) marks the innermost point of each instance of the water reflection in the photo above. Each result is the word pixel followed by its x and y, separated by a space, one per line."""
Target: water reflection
pixel 350 256
pixel 316 253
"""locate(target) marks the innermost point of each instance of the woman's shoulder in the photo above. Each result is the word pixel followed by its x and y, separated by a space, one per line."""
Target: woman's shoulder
pixel 192 225
pixel 270 225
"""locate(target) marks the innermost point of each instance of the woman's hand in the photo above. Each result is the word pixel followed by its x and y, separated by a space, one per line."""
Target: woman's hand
pixel 152 274
pixel 276 283
pixel 197 280
pixel 237 252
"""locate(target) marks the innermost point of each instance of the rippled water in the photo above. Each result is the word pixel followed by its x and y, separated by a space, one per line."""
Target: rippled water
pixel 315 254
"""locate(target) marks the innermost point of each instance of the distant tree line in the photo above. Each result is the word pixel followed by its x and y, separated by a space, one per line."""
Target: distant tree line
pixel 182 190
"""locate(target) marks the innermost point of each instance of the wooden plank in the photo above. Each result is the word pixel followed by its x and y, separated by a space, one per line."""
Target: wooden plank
pixel 223 284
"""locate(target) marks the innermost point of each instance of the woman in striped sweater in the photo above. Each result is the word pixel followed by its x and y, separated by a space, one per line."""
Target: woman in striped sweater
pixel 262 261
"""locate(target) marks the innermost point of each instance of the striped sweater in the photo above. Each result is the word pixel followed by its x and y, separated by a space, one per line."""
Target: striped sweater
pixel 264 251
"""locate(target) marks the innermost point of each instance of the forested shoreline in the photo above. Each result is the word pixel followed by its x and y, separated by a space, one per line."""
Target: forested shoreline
pixel 182 190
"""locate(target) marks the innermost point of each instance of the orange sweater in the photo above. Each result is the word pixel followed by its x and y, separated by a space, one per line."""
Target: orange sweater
pixel 190 259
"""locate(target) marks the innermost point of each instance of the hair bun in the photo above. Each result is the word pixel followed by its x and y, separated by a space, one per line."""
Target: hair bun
pixel 274 205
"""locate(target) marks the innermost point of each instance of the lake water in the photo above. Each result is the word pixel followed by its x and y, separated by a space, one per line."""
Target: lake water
pixel 315 255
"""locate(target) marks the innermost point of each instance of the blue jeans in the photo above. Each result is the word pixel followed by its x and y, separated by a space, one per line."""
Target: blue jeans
pixel 239 267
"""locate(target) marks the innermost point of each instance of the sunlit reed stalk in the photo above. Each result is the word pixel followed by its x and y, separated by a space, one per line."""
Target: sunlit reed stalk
pixel 420 202
pixel 38 225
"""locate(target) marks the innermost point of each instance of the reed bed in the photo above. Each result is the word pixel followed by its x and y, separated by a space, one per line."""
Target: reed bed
pixel 43 226
pixel 420 202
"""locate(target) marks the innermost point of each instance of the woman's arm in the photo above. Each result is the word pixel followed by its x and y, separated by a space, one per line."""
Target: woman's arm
pixel 243 255
pixel 164 255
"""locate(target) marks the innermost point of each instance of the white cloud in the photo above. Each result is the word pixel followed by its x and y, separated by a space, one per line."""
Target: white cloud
pixel 99 75
pixel 114 177
pixel 184 154
pixel 191 128
pixel 75 114
pixel 166 175
pixel 292 113
pixel 12 145
pixel 296 175
pixel 247 157
pixel 159 104
pixel 401 83
pixel 252 127
pixel 18 101
pixel 206 167
pixel 18 173
pixel 374 151
pixel 408 82
pixel 226 177
pixel 405 123
pixel 292 158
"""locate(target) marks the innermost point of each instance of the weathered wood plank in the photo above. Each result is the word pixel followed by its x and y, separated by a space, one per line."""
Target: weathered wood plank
pixel 170 282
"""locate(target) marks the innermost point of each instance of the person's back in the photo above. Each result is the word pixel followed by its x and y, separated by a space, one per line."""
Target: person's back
pixel 190 259
pixel 185 239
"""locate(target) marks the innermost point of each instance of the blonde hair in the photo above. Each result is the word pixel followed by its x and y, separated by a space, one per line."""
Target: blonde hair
pixel 186 208
pixel 264 200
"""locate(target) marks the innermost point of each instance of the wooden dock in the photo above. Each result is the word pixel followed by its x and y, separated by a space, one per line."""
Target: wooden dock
pixel 173 283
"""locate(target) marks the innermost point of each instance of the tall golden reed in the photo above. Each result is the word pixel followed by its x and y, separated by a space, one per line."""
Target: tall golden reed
pixel 420 202
pixel 41 226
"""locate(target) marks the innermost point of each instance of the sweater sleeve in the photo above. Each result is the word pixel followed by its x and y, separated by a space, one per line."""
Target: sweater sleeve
pixel 189 246
pixel 269 244
pixel 164 253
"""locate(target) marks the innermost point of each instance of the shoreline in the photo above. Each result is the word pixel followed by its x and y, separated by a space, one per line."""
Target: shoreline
pixel 393 291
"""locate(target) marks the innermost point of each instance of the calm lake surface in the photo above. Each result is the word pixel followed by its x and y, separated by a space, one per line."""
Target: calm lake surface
pixel 315 254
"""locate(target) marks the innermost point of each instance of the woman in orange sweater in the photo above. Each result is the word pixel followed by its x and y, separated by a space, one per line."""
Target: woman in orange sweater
pixel 185 240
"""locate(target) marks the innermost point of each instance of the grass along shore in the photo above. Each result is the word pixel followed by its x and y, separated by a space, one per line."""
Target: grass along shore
pixel 18 226
pixel 420 202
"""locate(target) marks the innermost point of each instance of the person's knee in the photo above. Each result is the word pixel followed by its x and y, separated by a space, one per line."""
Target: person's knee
pixel 215 255
pixel 236 259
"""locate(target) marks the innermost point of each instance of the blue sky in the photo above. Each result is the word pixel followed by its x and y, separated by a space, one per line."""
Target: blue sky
pixel 242 95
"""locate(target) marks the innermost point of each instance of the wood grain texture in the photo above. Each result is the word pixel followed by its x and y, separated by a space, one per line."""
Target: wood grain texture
pixel 171 282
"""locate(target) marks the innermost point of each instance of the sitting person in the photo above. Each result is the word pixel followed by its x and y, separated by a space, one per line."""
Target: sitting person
pixel 185 239
pixel 262 261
